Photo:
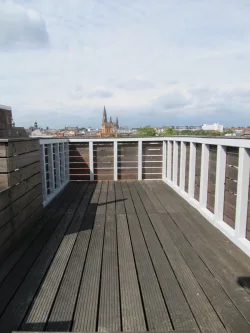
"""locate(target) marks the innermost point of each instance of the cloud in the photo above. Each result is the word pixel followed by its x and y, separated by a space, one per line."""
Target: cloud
pixel 100 93
pixel 136 84
pixel 132 54
pixel 172 100
pixel 21 28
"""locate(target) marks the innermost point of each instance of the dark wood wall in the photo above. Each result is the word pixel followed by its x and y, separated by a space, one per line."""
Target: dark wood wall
pixel 20 191
pixel 152 160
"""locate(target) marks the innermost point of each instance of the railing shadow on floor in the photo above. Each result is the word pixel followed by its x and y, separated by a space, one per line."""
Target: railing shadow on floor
pixel 57 326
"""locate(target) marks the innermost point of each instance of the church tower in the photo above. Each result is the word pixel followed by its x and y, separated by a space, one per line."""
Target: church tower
pixel 104 116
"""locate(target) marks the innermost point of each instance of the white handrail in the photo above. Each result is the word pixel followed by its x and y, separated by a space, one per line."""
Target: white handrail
pixel 54 167
pixel 173 168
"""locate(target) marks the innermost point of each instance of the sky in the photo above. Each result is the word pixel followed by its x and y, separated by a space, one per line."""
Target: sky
pixel 150 62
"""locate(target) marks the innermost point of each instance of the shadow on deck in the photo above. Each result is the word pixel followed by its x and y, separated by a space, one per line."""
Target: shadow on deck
pixel 124 256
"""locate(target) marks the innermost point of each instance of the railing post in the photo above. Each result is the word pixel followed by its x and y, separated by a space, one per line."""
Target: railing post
pixel 91 161
pixel 183 165
pixel 66 154
pixel 43 171
pixel 175 162
pixel 115 160
pixel 62 162
pixel 140 160
pixel 242 193
pixel 192 162
pixel 164 159
pixel 220 183
pixel 51 168
pixel 169 160
pixel 204 174
pixel 57 162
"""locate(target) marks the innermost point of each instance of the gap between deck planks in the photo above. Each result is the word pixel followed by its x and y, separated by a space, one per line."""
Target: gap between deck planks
pixel 123 256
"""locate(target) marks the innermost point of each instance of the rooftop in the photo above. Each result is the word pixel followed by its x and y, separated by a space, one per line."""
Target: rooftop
pixel 124 256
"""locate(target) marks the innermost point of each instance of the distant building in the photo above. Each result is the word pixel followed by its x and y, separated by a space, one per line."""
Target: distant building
pixel 213 127
pixel 188 128
pixel 108 127
pixel 7 125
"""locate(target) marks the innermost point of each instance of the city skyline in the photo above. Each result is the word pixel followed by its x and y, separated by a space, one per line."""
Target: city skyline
pixel 150 63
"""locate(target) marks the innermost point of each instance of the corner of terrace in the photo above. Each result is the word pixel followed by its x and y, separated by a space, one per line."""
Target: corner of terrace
pixel 125 235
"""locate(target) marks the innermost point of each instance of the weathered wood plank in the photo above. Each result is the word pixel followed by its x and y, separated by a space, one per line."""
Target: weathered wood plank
pixel 9 164
pixel 47 212
pixel 15 207
pixel 178 307
pixel 21 301
pixel 204 313
pixel 10 285
pixel 154 305
pixel 38 315
pixel 87 304
pixel 109 306
pixel 226 310
pixel 131 304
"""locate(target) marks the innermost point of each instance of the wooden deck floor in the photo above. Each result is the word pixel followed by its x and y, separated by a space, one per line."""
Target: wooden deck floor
pixel 124 256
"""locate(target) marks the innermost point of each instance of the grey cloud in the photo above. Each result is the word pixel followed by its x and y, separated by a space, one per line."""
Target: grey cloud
pixel 173 100
pixel 136 84
pixel 21 28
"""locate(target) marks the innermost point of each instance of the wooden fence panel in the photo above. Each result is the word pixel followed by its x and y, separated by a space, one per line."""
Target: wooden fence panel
pixel 79 166
pixel 20 191
pixel 127 160
pixel 151 160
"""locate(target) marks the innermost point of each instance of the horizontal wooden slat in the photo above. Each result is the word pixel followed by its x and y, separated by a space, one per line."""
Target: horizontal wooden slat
pixel 230 198
pixel 231 172
pixel 12 226
pixel 15 177
pixel 151 176
pixel 23 224
pixel 230 185
pixel 8 164
pixel 232 158
pixel 18 148
pixel 5 198
pixel 15 207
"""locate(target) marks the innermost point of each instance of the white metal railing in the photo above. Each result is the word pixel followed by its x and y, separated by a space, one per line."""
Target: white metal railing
pixel 54 167
pixel 179 154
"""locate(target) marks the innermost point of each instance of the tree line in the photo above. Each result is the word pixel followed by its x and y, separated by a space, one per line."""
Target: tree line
pixel 169 131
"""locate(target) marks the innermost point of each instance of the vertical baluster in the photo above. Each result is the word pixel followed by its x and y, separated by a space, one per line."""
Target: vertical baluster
pixel 91 161
pixel 115 160
pixel 183 165
pixel 175 162
pixel 140 160
pixel 169 160
pixel 220 183
pixel 43 171
pixel 164 159
pixel 204 174
pixel 242 193
pixel 51 168
pixel 192 162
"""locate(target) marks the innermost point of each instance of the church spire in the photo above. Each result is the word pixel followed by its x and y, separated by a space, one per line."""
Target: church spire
pixel 117 123
pixel 104 117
